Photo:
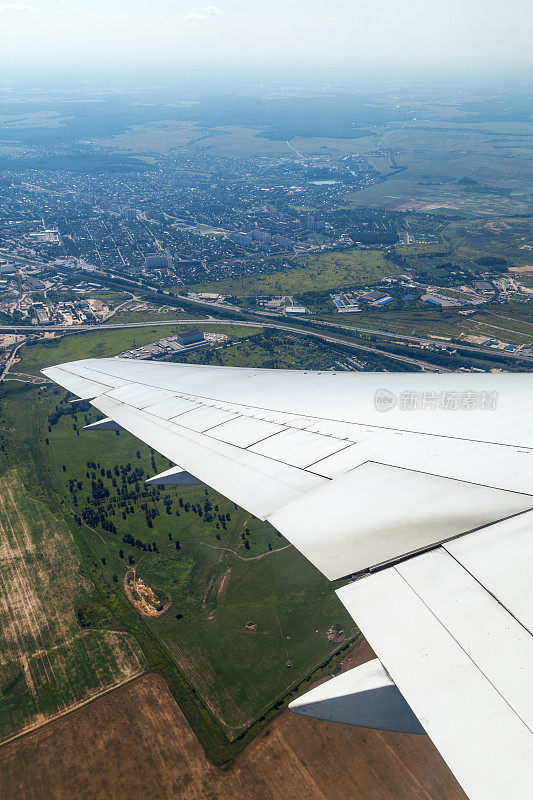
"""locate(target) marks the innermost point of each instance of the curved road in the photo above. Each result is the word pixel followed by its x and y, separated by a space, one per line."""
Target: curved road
pixel 208 306
pixel 244 323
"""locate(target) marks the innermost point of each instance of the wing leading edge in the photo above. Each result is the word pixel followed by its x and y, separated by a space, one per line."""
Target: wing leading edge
pixel 431 511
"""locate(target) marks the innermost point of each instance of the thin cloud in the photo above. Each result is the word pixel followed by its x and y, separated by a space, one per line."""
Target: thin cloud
pixel 22 7
pixel 199 17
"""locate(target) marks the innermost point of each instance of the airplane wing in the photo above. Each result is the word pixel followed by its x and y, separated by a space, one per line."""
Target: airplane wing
pixel 417 488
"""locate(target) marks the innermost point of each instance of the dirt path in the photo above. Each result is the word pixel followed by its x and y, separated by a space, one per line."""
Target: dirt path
pixel 223 584
pixel 295 151
pixel 72 708
pixel 523 321
pixel 10 361
pixel 242 558
pixel 207 590
pixel 501 328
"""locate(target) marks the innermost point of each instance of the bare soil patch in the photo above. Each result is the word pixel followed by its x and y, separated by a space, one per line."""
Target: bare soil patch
pixel 134 743
pixel 223 584
pixel 148 601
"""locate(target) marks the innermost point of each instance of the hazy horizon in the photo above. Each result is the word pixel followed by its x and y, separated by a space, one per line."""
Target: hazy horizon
pixel 432 37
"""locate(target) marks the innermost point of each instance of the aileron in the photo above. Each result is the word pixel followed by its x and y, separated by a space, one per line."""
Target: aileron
pixel 480 735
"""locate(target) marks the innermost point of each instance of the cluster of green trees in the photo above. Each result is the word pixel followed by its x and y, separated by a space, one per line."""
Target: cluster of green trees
pixel 147 547
pixel 120 491
pixel 65 408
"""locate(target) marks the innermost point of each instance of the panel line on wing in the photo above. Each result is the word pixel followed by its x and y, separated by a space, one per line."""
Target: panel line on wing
pixel 463 480
pixel 248 448
pixel 483 586
pixel 479 734
pixel 198 396
pixel 502 558
pixel 448 628
pixel 255 441
pixel 444 543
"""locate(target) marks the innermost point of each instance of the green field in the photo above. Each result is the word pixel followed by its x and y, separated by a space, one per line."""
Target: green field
pixel 436 158
pixel 102 344
pixel 230 141
pixel 512 323
pixel 315 272
pixel 125 317
pixel 48 663
pixel 238 672
pixel 158 138
pixel 249 615
pixel 405 192
pixel 111 299
pixel 507 238
pixel 421 250
pixel 270 350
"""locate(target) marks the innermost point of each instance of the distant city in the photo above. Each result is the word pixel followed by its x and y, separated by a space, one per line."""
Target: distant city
pixel 162 228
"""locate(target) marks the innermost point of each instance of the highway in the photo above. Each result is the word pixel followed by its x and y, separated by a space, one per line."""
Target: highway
pixel 465 348
pixel 335 340
pixel 306 325
pixel 519 355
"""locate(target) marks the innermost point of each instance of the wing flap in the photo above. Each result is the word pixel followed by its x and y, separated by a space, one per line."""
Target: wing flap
pixel 245 431
pixel 501 558
pixel 497 643
pixel 422 618
pixel 299 448
pixel 206 417
pixel 368 449
pixel 172 407
pixel 364 696
pixel 375 513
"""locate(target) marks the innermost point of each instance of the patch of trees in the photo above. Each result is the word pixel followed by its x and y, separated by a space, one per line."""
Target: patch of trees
pixel 63 409
pixel 99 491
pixel 98 516
pixel 147 547
pixel 492 261
pixel 91 613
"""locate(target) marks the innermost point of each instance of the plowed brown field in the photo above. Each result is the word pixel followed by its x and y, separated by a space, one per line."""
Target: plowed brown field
pixel 135 744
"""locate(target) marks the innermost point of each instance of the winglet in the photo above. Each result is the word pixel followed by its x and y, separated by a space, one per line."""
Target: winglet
pixel 105 424
pixel 175 476
pixel 364 696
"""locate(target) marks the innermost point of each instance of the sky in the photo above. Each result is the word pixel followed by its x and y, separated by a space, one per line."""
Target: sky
pixel 482 34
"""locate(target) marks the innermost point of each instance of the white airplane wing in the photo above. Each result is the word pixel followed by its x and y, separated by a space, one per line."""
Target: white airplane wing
pixel 417 487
